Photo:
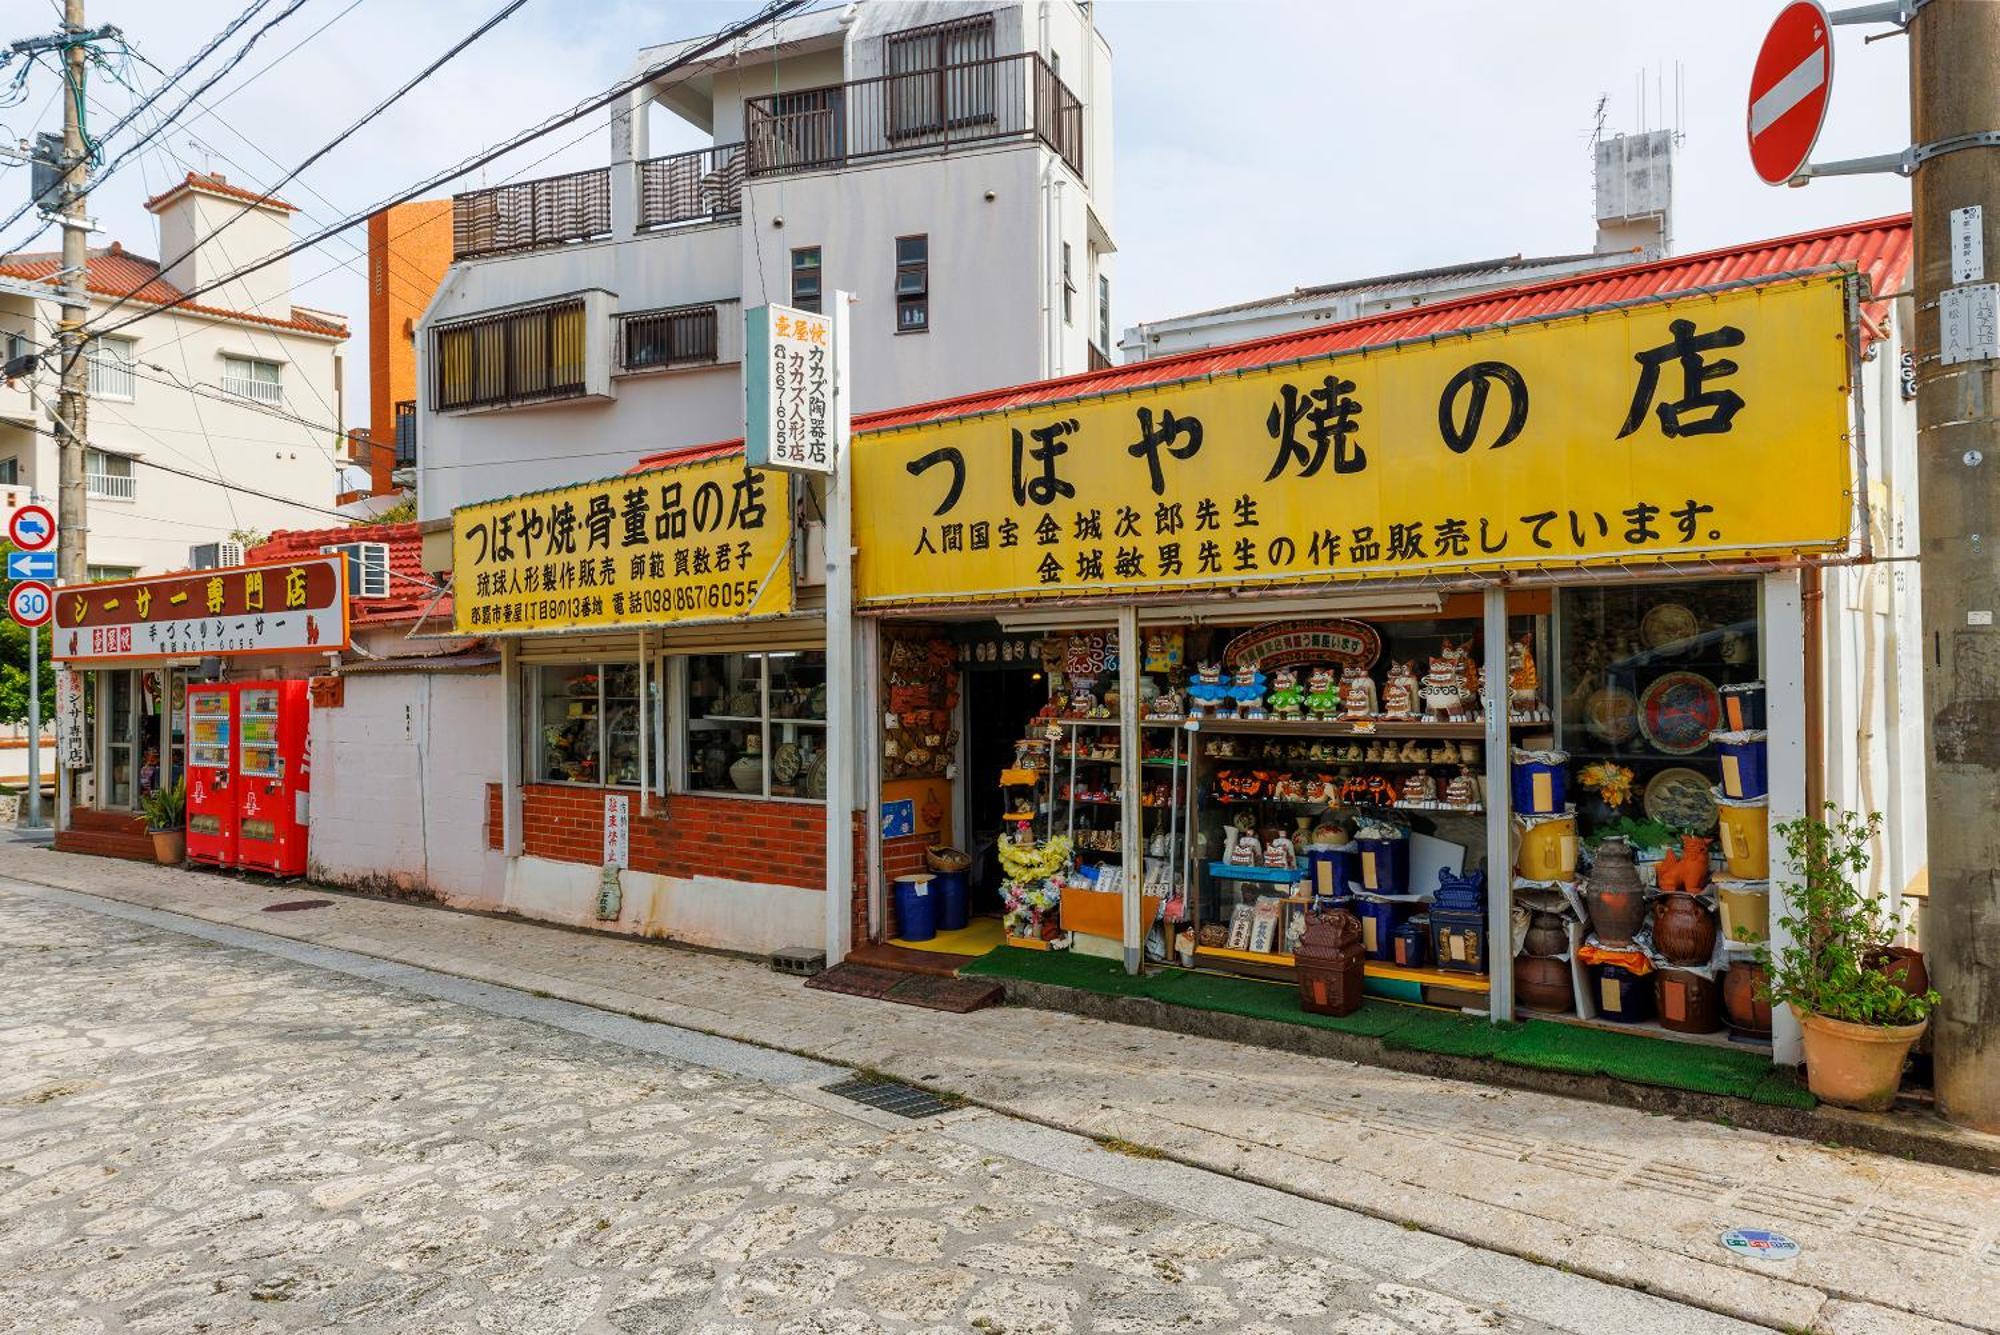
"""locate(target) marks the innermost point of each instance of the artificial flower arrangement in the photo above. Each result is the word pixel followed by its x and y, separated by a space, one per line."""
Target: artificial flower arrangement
pixel 1612 782
pixel 1032 892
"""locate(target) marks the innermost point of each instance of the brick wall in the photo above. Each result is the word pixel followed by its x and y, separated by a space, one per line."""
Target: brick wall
pixel 772 843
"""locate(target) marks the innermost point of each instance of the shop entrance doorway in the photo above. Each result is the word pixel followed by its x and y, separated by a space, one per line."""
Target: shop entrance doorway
pixel 1004 689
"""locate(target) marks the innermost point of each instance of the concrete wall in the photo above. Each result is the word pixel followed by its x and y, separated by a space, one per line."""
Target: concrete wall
pixel 188 225
pixel 409 250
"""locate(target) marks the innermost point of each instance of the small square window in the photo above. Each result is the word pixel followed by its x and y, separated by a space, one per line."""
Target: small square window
pixel 806 278
pixel 913 284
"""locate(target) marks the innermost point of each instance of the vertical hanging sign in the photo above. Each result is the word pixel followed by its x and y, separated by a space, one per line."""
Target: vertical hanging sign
pixel 72 741
pixel 617 830
pixel 788 399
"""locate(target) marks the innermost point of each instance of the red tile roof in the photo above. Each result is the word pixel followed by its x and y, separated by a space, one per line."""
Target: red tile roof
pixel 215 183
pixel 113 271
pixel 411 590
pixel 1879 248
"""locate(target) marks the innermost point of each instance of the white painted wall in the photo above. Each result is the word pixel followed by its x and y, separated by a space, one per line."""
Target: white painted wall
pixel 220 236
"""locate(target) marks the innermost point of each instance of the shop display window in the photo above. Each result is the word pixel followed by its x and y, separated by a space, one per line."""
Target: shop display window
pixel 588 723
pixel 756 724
pixel 1642 670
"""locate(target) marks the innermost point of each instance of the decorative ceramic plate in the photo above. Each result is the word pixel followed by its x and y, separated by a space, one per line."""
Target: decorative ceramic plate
pixel 786 762
pixel 1667 625
pixel 1678 711
pixel 816 776
pixel 1680 797
pixel 1612 714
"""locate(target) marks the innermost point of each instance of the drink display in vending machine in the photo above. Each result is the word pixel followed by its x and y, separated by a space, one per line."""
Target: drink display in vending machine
pixel 211 788
pixel 273 775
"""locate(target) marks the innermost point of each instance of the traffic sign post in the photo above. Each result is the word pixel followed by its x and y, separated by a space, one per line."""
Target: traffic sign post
pixel 1789 89
pixel 31 565
pixel 31 603
pixel 32 528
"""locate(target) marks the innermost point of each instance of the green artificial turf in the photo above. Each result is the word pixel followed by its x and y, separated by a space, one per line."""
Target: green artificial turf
pixel 1540 1045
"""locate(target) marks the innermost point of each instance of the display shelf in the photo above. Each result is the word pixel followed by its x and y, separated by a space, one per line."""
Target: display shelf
pixel 1106 722
pixel 1464 982
pixel 1229 871
pixel 1431 808
pixel 1328 762
pixel 1339 728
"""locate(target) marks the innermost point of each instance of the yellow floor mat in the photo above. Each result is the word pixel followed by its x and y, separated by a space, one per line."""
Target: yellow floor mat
pixel 975 938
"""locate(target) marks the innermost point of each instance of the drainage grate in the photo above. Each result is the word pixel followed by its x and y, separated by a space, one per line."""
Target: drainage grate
pixel 293 905
pixel 901 1100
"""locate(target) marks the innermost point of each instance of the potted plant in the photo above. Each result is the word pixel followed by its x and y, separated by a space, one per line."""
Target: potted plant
pixel 166 809
pixel 1857 1021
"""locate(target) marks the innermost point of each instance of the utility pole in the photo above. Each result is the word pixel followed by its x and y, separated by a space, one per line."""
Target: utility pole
pixel 1955 93
pixel 71 419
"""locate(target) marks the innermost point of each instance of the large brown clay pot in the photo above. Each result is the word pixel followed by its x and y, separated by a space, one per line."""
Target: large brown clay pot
pixel 1543 984
pixel 1546 935
pixel 1683 931
pixel 1905 968
pixel 1690 1001
pixel 1616 897
pixel 1743 1002
pixel 1856 1065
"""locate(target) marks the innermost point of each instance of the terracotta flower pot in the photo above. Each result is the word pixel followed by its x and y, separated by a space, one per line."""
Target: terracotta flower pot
pixel 169 847
pixel 1856 1065
pixel 1743 1002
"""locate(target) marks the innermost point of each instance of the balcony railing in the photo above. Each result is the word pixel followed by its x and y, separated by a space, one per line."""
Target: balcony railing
pixel 406 433
pixel 263 391
pixel 920 112
pixel 518 356
pixel 701 186
pixel 528 215
pixel 111 486
pixel 656 340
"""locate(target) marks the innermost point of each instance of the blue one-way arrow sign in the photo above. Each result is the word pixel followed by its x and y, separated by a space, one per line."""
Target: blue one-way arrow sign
pixel 31 565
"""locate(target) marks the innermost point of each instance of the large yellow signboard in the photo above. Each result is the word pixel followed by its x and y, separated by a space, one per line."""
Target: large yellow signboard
pixel 1703 427
pixel 701 542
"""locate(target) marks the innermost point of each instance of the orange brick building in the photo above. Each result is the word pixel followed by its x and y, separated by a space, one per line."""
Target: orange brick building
pixel 409 249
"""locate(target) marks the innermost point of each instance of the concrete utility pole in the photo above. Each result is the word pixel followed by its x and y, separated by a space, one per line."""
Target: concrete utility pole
pixel 71 424
pixel 1955 91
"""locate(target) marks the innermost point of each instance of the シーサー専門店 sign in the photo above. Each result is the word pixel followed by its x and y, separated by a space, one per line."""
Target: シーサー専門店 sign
pixel 264 609
pixel 697 542
pixel 1706 426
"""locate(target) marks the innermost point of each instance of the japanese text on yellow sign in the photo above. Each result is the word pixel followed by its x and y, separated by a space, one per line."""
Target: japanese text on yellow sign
pixel 700 542
pixel 1707 426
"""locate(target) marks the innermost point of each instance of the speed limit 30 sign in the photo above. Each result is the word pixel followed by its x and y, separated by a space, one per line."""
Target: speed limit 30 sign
pixel 31 603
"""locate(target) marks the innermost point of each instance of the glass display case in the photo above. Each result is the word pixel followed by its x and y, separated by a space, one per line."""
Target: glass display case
pixel 756 724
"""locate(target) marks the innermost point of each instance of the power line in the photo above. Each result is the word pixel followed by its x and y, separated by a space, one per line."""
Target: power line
pixel 770 12
pixel 499 16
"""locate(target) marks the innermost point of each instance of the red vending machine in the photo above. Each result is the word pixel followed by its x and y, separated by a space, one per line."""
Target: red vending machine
pixel 211 787
pixel 273 776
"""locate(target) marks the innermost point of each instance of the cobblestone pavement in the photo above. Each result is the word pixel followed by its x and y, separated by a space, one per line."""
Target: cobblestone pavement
pixel 201 1138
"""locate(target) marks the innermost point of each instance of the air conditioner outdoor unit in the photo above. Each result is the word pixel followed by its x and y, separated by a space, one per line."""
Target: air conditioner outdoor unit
pixel 215 555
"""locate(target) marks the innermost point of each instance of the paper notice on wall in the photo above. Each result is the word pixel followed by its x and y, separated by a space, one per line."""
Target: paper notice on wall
pixel 1968 244
pixel 617 830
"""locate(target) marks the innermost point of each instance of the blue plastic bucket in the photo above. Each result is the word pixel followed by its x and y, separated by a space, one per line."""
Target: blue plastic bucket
pixel 1541 782
pixel 916 907
pixel 1744 771
pixel 954 904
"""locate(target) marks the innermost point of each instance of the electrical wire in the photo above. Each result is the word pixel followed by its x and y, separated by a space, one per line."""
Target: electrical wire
pixel 772 11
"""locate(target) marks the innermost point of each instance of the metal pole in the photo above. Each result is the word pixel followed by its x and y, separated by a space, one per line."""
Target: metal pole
pixel 34 728
pixel 71 421
pixel 1131 808
pixel 844 758
pixel 1499 865
pixel 1953 52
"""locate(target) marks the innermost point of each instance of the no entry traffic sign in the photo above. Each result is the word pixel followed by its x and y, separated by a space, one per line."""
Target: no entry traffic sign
pixel 31 603
pixel 1788 91
pixel 31 528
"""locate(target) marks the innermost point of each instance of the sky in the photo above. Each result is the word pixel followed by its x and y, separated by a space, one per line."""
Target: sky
pixel 1261 145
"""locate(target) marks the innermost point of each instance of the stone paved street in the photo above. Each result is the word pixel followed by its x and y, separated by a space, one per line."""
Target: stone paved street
pixel 195 1137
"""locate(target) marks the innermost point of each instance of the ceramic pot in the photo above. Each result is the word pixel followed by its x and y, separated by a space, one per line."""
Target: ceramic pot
pixel 1856 1065
pixel 748 773
pixel 1683 930
pixel 1546 935
pixel 1543 984
pixel 1904 967
pixel 1616 897
pixel 170 847
pixel 1689 1001
pixel 1743 1001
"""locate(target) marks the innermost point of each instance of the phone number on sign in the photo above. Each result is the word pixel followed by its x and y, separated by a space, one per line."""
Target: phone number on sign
pixel 720 597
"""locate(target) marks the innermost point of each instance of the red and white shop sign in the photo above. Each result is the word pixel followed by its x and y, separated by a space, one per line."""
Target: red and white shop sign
pixel 238 610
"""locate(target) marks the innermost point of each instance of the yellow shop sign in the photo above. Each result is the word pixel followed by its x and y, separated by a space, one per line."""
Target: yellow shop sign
pixel 1705 426
pixel 700 542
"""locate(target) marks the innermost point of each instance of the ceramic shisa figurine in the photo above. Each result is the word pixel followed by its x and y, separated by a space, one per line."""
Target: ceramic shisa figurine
pixel 1246 693
pixel 1524 681
pixel 1323 693
pixel 1278 852
pixel 1207 692
pixel 1286 699
pixel 1419 787
pixel 1357 693
pixel 1244 850
pixel 1444 688
pixel 1461 790
pixel 1083 703
pixel 1414 752
pixel 1399 693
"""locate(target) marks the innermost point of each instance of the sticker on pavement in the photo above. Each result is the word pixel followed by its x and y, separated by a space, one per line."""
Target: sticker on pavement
pixel 1760 1244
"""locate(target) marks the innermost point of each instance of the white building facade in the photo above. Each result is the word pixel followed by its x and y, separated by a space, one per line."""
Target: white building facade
pixel 948 163
pixel 236 384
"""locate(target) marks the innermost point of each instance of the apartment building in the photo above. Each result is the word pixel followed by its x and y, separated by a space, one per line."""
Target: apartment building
pixel 949 164
pixel 238 384
pixel 409 252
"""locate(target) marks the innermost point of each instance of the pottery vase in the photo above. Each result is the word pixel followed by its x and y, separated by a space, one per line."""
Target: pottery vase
pixel 1543 984
pixel 1683 930
pixel 1905 968
pixel 1546 935
pixel 748 773
pixel 1615 895
pixel 1743 1002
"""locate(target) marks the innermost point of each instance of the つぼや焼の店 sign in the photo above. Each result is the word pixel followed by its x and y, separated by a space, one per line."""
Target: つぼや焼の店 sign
pixel 707 541
pixel 1706 426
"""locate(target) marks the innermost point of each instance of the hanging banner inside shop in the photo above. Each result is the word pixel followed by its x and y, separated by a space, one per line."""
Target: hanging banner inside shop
pixel 699 542
pixel 237 610
pixel 72 738
pixel 788 389
pixel 1704 426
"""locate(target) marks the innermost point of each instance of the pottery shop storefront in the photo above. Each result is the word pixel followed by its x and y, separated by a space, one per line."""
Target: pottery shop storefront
pixel 1482 635
pixel 664 752
pixel 126 652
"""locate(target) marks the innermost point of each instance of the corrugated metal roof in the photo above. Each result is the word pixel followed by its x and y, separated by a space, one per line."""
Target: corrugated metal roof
pixel 1880 249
